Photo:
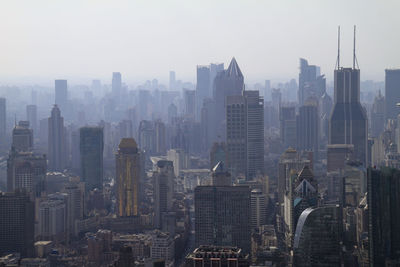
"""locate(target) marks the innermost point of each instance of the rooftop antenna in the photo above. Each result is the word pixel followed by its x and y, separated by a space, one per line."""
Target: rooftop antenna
pixel 338 50
pixel 354 50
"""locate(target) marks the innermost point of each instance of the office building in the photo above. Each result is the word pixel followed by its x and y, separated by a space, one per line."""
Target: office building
pixel 202 86
pixel 61 95
pixel 163 247
pixel 160 146
pixel 222 216
pixel 214 69
pixel 287 126
pixel 311 83
pixel 228 82
pixel 163 186
pixel 378 115
pixel 308 128
pixel 347 127
pixel 190 103
pixel 317 240
pixel 220 176
pixel 56 140
pixel 116 86
pixel 245 134
pixel 31 116
pixel 392 93
pixel 146 134
pixel 217 154
pixel 91 146
pixel 258 208
pixel 128 173
pixel 384 213
pixel 22 137
pixel 337 156
pixel 52 219
pixel 26 170
pixel 16 224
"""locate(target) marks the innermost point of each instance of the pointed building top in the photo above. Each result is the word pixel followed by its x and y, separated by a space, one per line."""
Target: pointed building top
pixel 233 69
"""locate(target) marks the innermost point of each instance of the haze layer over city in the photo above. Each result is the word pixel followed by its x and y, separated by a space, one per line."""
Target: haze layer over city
pixel 199 133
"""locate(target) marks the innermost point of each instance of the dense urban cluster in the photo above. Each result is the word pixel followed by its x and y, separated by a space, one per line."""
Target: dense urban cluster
pixel 217 173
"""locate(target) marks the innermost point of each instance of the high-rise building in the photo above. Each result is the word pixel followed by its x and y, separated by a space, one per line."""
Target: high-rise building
pixel 208 123
pixel 26 170
pixel 326 105
pixel 61 94
pixel 146 136
pixel 222 216
pixel 116 85
pixel 307 128
pixel 91 148
pixel 392 93
pixel 163 185
pixel 311 83
pixel 75 203
pixel 348 122
pixel 202 86
pixel 378 115
pixel 258 208
pixel 214 69
pixel 56 140
pixel 22 137
pixel 16 224
pixel 228 82
pixel 3 121
pixel 160 146
pixel 245 134
pixel 384 213
pixel 317 240
pixel 52 218
pixel 287 126
pixel 220 176
pixel 31 116
pixel 190 103
pixel 128 173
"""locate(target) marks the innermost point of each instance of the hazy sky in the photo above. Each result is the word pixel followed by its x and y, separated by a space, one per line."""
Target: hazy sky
pixel 85 39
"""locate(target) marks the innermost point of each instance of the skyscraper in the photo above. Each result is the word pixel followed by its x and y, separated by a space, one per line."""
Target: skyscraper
pixel 378 115
pixel 16 224
pixel 61 91
pixel 190 103
pixel 392 93
pixel 22 137
pixel 56 143
pixel 163 186
pixel 31 116
pixel 27 171
pixel 308 128
pixel 287 126
pixel 222 216
pixel 384 213
pixel 128 172
pixel 311 83
pixel 91 148
pixel 202 85
pixel 116 85
pixel 348 122
pixel 3 121
pixel 318 236
pixel 258 208
pixel 214 69
pixel 245 133
pixel 228 82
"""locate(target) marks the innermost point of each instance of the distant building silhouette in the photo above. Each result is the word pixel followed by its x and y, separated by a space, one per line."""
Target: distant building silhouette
pixel 31 116
pixel 56 140
pixel 91 146
pixel 392 93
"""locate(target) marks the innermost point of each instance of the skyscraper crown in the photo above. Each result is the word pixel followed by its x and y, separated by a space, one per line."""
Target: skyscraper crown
pixel 233 69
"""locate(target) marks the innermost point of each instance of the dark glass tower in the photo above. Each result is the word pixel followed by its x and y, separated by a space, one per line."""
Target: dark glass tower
pixel 348 122
pixel 91 150
pixel 384 216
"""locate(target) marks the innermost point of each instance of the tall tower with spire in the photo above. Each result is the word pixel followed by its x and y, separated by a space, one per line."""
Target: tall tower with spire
pixel 348 122
pixel 228 82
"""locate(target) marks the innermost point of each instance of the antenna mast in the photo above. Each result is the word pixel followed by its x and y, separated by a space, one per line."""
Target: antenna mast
pixel 338 50
pixel 354 50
